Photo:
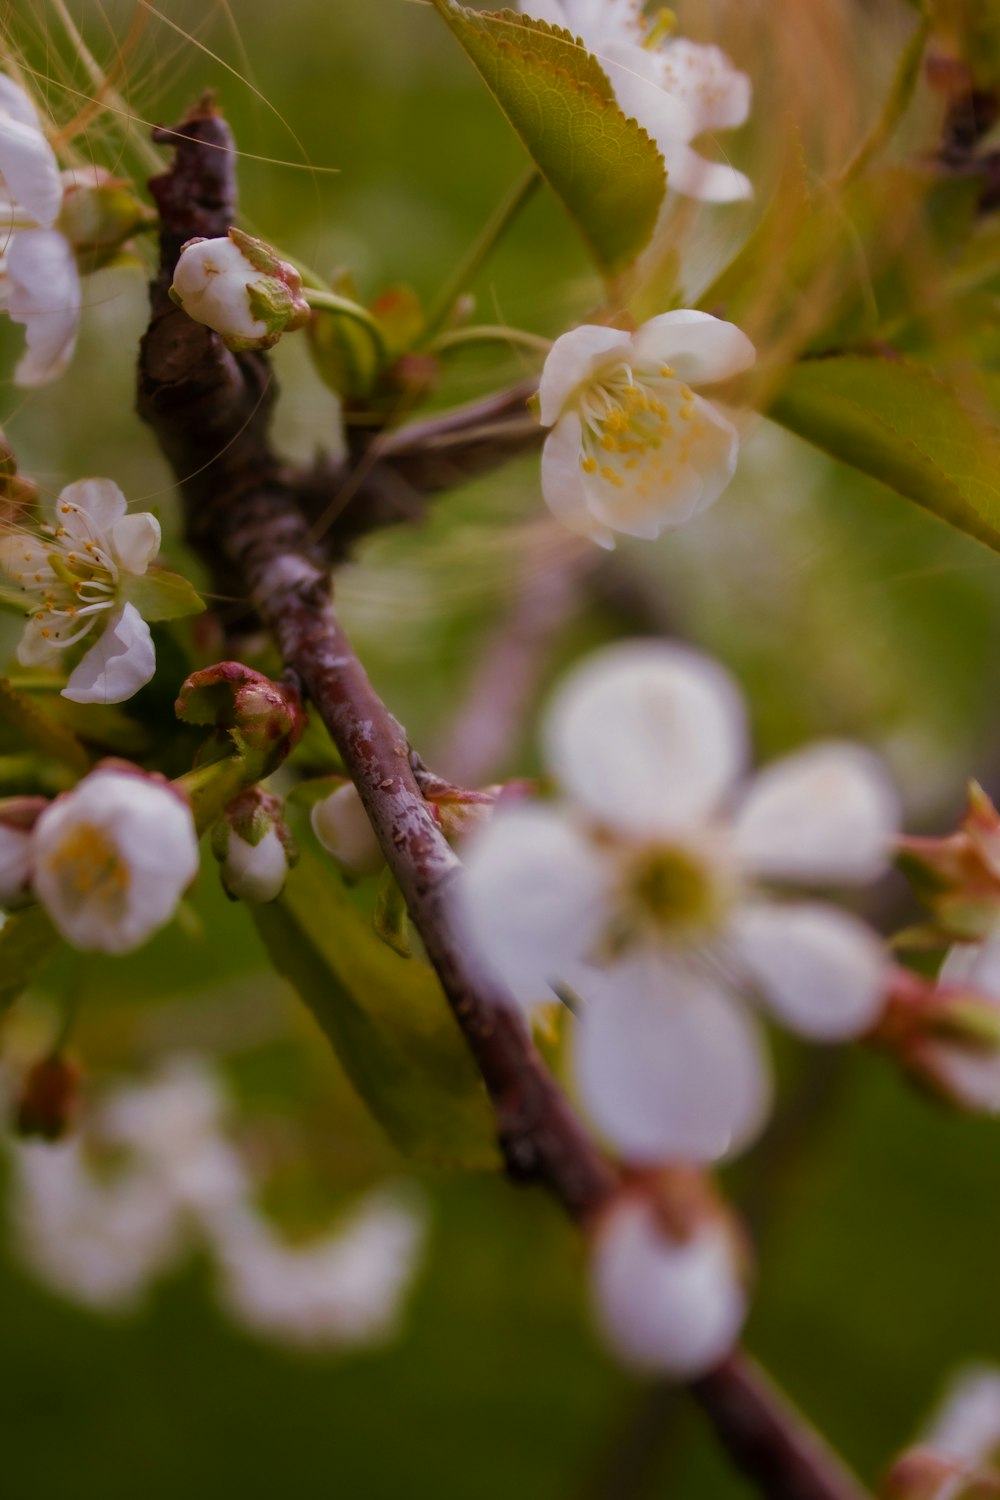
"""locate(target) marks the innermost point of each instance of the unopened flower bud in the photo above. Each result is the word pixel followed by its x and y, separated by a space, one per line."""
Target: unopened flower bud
pixel 254 847
pixel 947 1034
pixel 50 1098
pixel 958 877
pixel 667 1283
pixel 238 287
pixel 18 816
pixel 342 827
pixel 99 213
pixel 261 719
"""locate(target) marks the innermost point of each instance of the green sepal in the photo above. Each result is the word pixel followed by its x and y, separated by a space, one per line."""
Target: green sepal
pixel 160 595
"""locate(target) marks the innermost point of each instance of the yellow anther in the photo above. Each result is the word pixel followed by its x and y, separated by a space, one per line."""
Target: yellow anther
pixel 588 465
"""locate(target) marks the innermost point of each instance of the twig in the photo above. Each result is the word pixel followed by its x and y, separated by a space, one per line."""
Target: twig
pixel 209 409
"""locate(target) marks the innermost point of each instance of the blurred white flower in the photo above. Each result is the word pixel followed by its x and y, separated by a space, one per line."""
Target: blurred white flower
pixel 39 282
pixel 665 1306
pixel 98 1241
pixel 632 447
pixel 343 828
pixel 254 847
pixel 101 1239
pixel 346 1288
pixel 76 570
pixel 960 1056
pixel 112 858
pixel 674 88
pixel 237 286
pixel 18 816
pixel 967 1425
pixel 646 894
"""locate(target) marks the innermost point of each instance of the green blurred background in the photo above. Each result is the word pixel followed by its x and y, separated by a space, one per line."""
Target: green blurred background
pixel 840 608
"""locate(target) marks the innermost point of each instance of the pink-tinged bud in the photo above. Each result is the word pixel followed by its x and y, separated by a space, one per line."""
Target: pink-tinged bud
pixel 667 1276
pixel 241 289
pixel 947 1034
pixel 99 213
pixel 254 847
pixel 18 816
pixel 50 1098
pixel 342 827
pixel 462 813
pixel 263 720
pixel 958 877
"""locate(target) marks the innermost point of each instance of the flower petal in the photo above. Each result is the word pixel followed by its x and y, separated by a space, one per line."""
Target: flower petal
pixel 648 737
pixel 94 507
pixel 118 664
pixel 638 79
pixel 574 359
pixel 563 482
pixel 708 181
pixel 974 964
pixel 671 1308
pixel 29 167
pixel 34 648
pixel 667 1064
pixel 699 347
pixel 821 971
pixel 45 297
pixel 703 78
pixel 827 814
pixel 17 104
pixel 532 898
pixel 136 541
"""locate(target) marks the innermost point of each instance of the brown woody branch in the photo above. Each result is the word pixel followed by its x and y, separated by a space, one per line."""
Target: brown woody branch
pixel 254 522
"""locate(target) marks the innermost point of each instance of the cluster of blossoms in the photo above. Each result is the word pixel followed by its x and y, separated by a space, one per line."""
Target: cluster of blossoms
pixel 77 572
pixel 179 1183
pixel 109 860
pixel 676 89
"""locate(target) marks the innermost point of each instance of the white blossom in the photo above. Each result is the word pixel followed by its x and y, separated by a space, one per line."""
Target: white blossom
pixel 666 1306
pixel 650 894
pixel 39 281
pixel 76 573
pixel 961 1065
pixel 633 447
pixel 674 88
pixel 238 287
pixel 343 828
pixel 112 858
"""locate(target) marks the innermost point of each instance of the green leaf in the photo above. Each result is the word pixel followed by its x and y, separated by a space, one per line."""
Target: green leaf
pixel 27 942
pixel 386 1018
pixel 390 921
pixel 902 424
pixel 159 595
pixel 558 99
pixel 37 730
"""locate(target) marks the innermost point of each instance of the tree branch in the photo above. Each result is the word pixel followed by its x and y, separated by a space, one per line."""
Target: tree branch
pixel 209 410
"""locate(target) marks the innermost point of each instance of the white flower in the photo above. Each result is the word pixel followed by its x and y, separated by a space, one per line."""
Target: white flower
pixel 38 273
pixel 346 1288
pixel 238 287
pixel 255 872
pixel 343 828
pixel 77 569
pixel 957 1062
pixel 647 895
pixel 967 1426
pixel 112 859
pixel 674 88
pixel 632 447
pixel 666 1307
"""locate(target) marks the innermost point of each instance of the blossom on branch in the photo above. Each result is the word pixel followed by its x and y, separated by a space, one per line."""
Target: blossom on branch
pixel 112 858
pixel 238 287
pixel 632 447
pixel 77 570
pixel 651 899
pixel 675 89
pixel 254 847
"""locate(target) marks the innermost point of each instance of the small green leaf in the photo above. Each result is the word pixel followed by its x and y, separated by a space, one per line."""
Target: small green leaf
pixel 385 1017
pixel 37 730
pixel 160 595
pixel 902 424
pixel 389 918
pixel 560 102
pixel 27 942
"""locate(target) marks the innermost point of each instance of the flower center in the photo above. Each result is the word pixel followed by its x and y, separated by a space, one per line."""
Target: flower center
pixel 91 868
pixel 638 427
pixel 669 892
pixel 71 574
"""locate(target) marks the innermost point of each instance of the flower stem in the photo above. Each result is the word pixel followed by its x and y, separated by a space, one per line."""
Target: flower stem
pixel 324 301
pixel 482 248
pixel 490 333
